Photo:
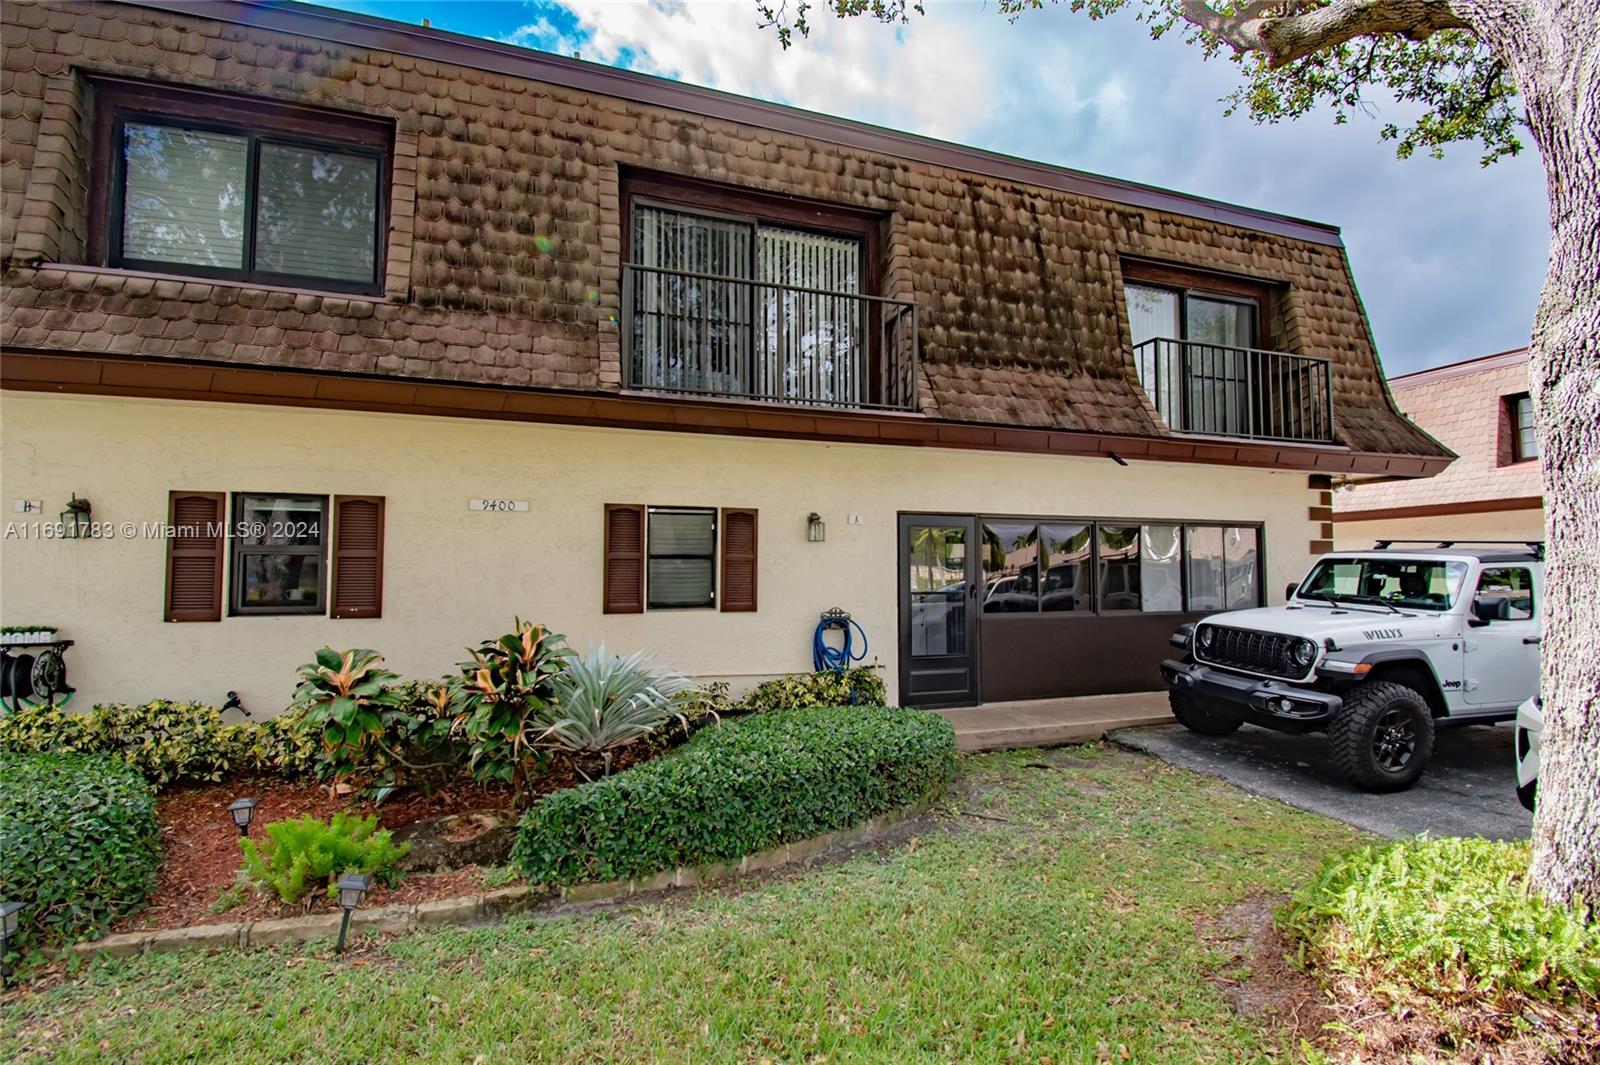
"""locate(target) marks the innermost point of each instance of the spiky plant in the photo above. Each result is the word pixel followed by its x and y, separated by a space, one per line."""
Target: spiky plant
pixel 601 703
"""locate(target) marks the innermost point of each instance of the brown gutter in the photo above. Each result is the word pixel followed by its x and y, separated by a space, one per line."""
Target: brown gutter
pixel 367 31
pixel 1439 510
pixel 108 375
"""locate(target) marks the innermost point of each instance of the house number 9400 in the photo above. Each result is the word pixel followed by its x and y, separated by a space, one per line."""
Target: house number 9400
pixel 499 506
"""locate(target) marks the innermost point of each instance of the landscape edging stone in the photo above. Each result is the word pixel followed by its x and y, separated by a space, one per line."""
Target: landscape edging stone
pixel 491 905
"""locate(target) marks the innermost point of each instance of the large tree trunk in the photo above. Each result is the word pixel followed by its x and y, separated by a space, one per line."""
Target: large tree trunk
pixel 1552 48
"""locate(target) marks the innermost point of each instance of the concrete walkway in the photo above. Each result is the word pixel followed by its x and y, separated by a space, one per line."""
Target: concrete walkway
pixel 1050 722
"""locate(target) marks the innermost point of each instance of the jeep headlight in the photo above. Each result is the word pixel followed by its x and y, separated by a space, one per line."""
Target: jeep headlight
pixel 1203 636
pixel 1304 653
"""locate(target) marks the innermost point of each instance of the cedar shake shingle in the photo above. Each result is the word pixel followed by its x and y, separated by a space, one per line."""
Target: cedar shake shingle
pixel 504 237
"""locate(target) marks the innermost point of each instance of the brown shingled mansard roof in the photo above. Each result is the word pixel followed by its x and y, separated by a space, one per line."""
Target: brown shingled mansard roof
pixel 1014 265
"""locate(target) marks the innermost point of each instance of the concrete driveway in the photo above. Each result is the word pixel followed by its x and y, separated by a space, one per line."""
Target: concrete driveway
pixel 1468 790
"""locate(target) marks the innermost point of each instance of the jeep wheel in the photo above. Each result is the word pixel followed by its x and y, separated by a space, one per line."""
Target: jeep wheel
pixel 1195 717
pixel 1383 736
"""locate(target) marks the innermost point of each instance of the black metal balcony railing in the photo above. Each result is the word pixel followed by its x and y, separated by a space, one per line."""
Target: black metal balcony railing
pixel 710 335
pixel 1225 391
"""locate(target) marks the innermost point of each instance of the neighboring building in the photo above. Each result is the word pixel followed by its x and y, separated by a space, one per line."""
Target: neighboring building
pixel 1479 409
pixel 446 330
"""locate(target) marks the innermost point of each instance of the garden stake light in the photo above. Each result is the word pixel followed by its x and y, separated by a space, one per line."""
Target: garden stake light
pixel 8 928
pixel 352 888
pixel 243 811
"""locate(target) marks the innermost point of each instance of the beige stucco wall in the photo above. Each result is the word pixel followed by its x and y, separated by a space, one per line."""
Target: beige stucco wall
pixel 1496 525
pixel 453 577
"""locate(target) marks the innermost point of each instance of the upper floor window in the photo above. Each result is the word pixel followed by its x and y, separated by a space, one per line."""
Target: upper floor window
pixel 242 190
pixel 1198 341
pixel 1524 444
pixel 732 292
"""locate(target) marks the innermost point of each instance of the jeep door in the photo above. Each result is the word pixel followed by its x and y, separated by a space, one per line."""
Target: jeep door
pixel 1502 654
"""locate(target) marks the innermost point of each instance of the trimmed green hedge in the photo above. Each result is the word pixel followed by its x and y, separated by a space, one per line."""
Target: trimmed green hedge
pixel 167 740
pixel 78 842
pixel 738 788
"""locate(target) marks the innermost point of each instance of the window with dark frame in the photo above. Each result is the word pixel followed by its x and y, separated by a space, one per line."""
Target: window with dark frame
pixel 1201 383
pixel 278 561
pixel 271 193
pixel 1061 565
pixel 735 292
pixel 1524 444
pixel 681 557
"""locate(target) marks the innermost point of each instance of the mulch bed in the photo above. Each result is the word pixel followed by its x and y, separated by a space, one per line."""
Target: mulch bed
pixel 200 844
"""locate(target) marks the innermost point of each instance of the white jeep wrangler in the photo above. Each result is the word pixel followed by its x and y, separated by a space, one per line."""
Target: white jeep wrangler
pixel 1377 647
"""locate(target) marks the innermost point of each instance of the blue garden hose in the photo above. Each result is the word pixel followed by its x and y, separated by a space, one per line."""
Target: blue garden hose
pixel 825 656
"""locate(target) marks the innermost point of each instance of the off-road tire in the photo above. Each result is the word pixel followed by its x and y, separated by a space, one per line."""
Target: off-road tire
pixel 1382 738
pixel 1195 717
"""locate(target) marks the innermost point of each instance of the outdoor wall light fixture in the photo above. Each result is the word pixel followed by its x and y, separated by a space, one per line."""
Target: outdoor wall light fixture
pixel 243 811
pixel 353 888
pixel 75 519
pixel 8 928
pixel 816 528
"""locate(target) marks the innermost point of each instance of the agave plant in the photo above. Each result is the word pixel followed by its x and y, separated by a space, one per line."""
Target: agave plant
pixel 601 703
pixel 499 695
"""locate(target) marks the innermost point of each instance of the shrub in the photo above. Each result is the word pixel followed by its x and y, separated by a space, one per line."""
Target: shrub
pixel 370 725
pixel 302 853
pixel 1447 917
pixel 737 789
pixel 165 740
pixel 600 703
pixel 697 702
pixel 857 687
pixel 498 699
pixel 79 844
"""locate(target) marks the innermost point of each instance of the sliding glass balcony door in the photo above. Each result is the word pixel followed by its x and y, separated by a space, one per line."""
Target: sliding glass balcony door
pixel 732 306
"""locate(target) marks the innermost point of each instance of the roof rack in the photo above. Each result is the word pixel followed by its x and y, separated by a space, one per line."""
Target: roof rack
pixel 1533 547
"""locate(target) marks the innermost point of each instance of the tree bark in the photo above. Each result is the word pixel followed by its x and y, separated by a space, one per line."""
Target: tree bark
pixel 1552 48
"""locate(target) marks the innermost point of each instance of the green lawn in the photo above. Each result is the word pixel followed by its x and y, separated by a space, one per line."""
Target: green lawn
pixel 1061 925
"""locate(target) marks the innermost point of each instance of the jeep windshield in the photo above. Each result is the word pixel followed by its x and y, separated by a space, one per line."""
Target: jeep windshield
pixel 1417 583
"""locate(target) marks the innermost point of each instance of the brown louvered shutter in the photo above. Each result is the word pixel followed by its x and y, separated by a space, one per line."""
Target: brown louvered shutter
pixel 624 576
pixel 738 559
pixel 357 556
pixel 194 556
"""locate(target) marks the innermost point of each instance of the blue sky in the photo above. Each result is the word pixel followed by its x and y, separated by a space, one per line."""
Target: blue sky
pixel 1449 256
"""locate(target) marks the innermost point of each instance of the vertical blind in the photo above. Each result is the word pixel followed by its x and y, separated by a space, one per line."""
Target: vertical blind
pixel 1153 315
pixel 744 335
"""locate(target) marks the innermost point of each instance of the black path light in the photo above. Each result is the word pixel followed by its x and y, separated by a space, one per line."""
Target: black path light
pixel 353 888
pixel 8 928
pixel 243 811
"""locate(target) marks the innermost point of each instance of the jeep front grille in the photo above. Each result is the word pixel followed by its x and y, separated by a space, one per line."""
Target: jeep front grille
pixel 1257 652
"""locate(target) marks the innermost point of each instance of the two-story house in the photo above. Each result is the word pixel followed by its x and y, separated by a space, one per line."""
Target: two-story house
pixel 344 331
pixel 1481 409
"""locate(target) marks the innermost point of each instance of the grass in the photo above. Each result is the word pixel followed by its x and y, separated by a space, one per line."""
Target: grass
pixel 1047 915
